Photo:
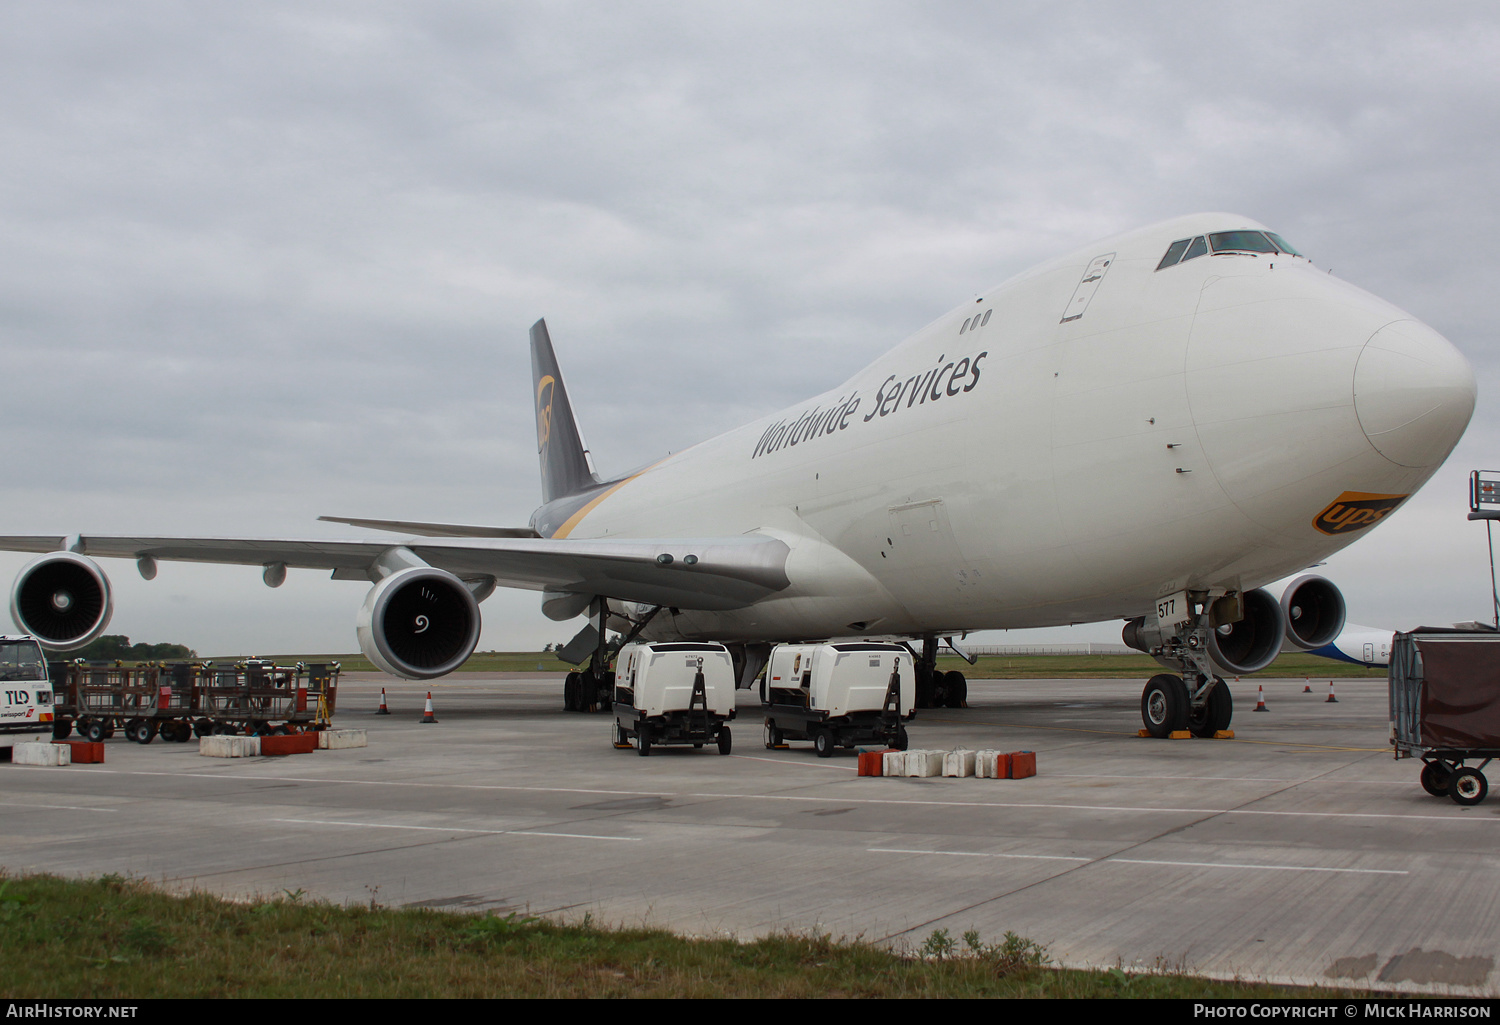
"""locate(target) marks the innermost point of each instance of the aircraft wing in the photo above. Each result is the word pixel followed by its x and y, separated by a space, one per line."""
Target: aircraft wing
pixel 690 573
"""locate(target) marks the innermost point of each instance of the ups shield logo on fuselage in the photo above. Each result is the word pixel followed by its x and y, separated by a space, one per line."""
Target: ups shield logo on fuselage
pixel 1355 510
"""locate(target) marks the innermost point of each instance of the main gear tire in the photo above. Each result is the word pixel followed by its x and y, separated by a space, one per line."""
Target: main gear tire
pixel 1165 705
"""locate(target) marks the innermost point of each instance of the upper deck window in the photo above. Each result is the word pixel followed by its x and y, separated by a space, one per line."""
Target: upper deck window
pixel 1245 241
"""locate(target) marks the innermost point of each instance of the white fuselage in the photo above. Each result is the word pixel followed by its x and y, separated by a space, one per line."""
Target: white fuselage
pixel 1184 431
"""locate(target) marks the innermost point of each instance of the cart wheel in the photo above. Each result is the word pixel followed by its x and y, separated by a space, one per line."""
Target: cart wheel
pixel 109 728
pixel 61 728
pixel 81 724
pixel 168 732
pixel 824 742
pixel 203 728
pixel 725 740
pixel 94 730
pixel 221 729
pixel 1435 778
pixel 773 737
pixel 146 731
pixel 643 743
pixel 1468 786
pixel 901 739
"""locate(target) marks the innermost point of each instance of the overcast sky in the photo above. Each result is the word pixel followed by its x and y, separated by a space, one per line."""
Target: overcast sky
pixel 262 262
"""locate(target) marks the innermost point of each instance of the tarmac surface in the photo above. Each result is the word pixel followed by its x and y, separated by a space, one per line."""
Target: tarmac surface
pixel 1299 852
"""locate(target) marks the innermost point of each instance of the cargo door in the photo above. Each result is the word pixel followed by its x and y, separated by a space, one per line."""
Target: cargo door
pixel 927 570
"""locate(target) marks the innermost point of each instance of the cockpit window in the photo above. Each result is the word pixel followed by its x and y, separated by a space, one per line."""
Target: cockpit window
pixel 1174 253
pixel 1281 244
pixel 1226 242
pixel 1241 242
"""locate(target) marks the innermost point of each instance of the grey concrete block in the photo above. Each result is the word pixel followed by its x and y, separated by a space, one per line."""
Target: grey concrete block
pixel 229 747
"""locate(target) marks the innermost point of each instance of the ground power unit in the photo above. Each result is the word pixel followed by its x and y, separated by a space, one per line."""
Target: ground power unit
pixel 839 695
pixel 673 693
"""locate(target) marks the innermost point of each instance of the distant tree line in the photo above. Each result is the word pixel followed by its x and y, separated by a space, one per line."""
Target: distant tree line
pixel 112 647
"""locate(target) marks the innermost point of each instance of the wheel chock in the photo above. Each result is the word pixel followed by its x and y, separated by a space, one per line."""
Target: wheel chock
pixel 1180 735
pixel 1223 734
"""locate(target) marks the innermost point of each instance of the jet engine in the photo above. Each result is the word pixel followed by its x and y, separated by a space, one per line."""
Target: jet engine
pixel 1314 610
pixel 61 599
pixel 419 623
pixel 1252 643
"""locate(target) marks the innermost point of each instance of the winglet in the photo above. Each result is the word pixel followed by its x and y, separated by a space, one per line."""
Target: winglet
pixel 566 466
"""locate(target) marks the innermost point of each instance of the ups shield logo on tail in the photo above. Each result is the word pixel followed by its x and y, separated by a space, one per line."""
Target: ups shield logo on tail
pixel 544 412
pixel 1355 510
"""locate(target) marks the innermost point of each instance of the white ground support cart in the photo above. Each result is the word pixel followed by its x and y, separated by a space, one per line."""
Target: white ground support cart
pixel 679 692
pixel 25 691
pixel 839 695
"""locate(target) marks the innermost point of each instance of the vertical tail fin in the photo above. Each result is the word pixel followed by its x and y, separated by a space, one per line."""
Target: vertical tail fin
pixel 566 466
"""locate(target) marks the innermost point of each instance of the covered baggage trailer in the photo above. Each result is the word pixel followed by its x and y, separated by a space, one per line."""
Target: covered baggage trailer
pixel 1445 707
pixel 839 695
pixel 679 692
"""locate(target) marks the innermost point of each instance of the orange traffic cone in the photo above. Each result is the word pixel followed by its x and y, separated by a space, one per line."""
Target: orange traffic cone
pixel 382 710
pixel 1331 699
pixel 1307 685
pixel 427 715
pixel 1260 699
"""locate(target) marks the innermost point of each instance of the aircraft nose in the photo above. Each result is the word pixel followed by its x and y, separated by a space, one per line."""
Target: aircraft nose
pixel 1413 393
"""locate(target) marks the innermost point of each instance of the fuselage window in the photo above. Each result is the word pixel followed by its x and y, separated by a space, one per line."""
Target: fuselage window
pixel 1174 253
pixel 986 319
pixel 965 327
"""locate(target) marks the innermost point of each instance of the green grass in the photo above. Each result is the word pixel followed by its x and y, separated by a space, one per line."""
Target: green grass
pixel 1011 667
pixel 116 938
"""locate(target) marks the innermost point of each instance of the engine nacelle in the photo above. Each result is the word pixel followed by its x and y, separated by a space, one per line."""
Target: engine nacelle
pixel 1254 642
pixel 62 599
pixel 419 623
pixel 1314 610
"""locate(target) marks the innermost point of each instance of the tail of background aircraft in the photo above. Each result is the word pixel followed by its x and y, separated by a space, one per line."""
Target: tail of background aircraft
pixel 567 468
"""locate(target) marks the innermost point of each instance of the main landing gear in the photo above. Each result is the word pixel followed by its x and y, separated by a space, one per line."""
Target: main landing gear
pixel 935 689
pixel 1169 706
